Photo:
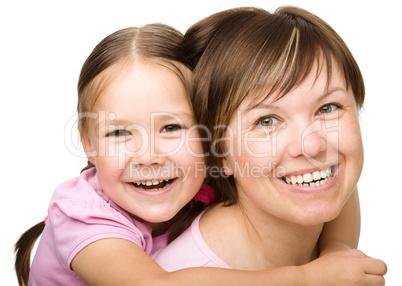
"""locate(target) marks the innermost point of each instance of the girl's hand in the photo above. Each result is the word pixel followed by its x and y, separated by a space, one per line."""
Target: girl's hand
pixel 345 267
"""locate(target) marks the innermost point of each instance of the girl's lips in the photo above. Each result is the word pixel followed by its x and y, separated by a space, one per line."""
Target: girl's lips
pixel 154 185
pixel 154 188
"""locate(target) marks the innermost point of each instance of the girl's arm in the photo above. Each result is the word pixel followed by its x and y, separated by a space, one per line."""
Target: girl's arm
pixel 121 262
pixel 344 231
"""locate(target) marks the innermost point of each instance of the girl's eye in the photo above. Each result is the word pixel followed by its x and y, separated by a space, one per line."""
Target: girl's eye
pixel 171 128
pixel 267 121
pixel 328 108
pixel 120 132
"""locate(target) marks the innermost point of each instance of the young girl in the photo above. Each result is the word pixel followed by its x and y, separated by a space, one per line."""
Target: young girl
pixel 146 164
pixel 279 94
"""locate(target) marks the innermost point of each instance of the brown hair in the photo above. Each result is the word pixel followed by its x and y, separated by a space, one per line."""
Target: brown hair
pixel 238 52
pixel 23 249
pixel 158 43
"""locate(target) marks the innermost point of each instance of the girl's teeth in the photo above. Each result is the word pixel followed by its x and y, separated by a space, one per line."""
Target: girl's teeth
pixel 150 183
pixel 147 185
pixel 312 179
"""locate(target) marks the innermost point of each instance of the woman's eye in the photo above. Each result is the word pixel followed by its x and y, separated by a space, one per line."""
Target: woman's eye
pixel 328 108
pixel 267 121
pixel 120 132
pixel 171 128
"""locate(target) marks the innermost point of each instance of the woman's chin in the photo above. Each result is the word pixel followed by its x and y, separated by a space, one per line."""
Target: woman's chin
pixel 311 215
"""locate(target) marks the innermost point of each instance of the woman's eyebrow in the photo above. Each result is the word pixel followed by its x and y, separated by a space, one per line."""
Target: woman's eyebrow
pixel 260 105
pixel 330 92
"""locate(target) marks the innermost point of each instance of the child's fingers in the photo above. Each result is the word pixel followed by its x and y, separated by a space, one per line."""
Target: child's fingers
pixel 374 280
pixel 376 267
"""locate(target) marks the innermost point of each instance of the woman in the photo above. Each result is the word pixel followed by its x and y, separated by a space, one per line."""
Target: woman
pixel 279 94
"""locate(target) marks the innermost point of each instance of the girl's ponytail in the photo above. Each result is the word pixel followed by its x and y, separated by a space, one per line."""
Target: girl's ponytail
pixel 23 249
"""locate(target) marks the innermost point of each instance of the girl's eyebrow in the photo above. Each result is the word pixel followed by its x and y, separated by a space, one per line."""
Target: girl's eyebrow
pixel 159 115
pixel 114 122
pixel 182 115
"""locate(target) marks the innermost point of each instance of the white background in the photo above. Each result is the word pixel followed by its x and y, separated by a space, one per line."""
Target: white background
pixel 43 45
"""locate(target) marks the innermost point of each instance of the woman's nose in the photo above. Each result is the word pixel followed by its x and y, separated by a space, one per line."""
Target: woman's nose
pixel 308 140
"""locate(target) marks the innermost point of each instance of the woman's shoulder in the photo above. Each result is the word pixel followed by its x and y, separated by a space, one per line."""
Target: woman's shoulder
pixel 189 250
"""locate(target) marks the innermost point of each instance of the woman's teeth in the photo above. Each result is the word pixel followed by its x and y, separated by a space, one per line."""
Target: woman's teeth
pixel 312 179
pixel 154 185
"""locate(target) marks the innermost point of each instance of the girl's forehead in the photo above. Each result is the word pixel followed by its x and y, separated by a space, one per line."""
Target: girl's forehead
pixel 156 72
pixel 143 92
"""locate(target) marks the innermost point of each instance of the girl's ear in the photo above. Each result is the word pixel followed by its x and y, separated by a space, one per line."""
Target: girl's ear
pixel 227 168
pixel 87 145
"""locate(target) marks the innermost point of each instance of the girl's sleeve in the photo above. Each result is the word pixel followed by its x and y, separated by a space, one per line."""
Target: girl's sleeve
pixel 76 224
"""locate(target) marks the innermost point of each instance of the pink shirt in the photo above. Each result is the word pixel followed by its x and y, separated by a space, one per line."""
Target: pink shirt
pixel 79 214
pixel 189 250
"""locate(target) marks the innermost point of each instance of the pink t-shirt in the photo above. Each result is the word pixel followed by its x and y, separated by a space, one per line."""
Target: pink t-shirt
pixel 79 214
pixel 189 250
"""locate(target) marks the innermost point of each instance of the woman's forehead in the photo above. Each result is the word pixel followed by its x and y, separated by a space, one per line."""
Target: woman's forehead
pixel 329 73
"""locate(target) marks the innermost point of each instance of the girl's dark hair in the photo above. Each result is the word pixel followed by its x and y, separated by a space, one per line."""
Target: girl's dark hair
pixel 158 43
pixel 240 52
pixel 23 249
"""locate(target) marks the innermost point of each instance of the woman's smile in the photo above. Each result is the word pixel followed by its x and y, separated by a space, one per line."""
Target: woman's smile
pixel 312 182
pixel 312 136
pixel 312 179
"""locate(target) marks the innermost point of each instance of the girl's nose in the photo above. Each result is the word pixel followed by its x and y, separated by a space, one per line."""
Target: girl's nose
pixel 149 157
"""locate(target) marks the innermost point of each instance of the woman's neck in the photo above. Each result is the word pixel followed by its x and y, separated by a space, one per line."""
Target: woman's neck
pixel 261 240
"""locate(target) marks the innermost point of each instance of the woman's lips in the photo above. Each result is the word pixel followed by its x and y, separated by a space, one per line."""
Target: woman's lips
pixel 312 179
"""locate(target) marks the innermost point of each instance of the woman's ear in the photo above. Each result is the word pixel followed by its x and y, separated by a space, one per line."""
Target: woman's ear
pixel 87 145
pixel 227 147
pixel 227 168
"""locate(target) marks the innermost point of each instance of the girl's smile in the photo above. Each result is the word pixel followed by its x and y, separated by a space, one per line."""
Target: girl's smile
pixel 137 141
pixel 154 185
pixel 146 189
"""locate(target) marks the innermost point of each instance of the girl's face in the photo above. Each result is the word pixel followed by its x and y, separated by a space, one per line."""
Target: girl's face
pixel 143 143
pixel 297 158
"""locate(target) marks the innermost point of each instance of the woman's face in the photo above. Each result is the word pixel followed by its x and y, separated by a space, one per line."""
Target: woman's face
pixel 297 158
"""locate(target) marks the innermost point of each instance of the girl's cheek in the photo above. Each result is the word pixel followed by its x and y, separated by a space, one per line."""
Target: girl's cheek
pixel 194 149
pixel 166 146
